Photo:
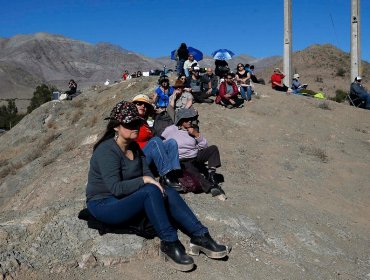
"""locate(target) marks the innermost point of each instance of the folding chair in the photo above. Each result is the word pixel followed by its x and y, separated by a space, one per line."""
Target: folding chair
pixel 355 100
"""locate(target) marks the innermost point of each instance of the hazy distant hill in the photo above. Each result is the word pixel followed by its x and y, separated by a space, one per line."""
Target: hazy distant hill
pixel 25 60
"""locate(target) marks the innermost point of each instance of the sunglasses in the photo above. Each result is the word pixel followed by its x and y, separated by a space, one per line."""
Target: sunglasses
pixel 240 66
pixel 182 79
pixel 135 125
pixel 140 103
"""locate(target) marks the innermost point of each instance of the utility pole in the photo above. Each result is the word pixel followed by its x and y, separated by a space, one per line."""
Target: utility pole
pixel 288 42
pixel 355 39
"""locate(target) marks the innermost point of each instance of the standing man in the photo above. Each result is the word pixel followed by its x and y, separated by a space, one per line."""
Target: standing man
pixel 181 55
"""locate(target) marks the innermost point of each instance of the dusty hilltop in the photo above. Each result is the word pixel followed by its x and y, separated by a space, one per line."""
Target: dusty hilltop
pixel 297 176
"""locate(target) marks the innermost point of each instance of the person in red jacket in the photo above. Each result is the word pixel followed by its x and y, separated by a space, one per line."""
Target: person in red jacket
pixel 277 81
pixel 228 93
pixel 163 154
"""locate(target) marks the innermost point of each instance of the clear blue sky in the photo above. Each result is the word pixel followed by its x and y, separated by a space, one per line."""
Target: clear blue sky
pixel 155 27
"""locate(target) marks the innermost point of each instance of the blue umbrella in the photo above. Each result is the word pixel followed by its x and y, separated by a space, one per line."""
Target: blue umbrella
pixel 222 54
pixel 198 55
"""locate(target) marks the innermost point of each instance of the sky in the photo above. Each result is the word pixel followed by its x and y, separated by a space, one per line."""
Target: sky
pixel 156 27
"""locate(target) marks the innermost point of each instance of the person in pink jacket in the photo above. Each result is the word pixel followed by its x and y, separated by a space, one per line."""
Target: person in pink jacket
pixel 194 149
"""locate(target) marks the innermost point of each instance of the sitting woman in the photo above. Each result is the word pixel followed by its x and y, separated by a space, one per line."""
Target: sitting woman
pixel 243 78
pixel 162 94
pixel 163 154
pixel 296 84
pixel 120 186
pixel 194 149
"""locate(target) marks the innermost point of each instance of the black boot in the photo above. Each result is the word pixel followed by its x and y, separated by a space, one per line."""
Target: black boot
pixel 174 252
pixel 169 181
pixel 208 246
pixel 212 179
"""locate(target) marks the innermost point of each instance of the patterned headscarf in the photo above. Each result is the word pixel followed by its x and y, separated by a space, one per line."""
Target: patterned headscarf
pixel 125 112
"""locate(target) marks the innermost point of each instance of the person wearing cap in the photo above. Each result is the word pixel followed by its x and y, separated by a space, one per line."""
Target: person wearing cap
pixel 358 90
pixel 179 99
pixel 194 149
pixel 193 83
pixel 120 186
pixel 277 81
pixel 296 84
pixel 163 154
pixel 188 64
pixel 162 94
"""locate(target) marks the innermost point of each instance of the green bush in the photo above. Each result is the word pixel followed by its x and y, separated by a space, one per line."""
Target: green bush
pixel 9 116
pixel 41 95
pixel 341 72
pixel 340 96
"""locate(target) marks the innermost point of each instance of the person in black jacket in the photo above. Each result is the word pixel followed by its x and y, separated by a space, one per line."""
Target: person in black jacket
pixel 358 90
pixel 181 55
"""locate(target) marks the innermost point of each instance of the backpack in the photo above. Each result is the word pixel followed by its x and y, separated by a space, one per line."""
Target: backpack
pixel 161 121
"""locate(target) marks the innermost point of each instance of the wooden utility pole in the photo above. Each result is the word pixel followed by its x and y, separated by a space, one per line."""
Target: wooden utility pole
pixel 355 39
pixel 288 42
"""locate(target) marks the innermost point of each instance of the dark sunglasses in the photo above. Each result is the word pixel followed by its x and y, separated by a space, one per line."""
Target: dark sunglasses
pixel 139 103
pixel 240 66
pixel 132 125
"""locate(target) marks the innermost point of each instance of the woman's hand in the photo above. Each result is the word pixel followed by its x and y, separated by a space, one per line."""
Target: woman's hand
pixel 150 180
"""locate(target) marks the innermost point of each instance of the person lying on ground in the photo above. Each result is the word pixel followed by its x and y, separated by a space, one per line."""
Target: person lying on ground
pixel 243 78
pixel 358 89
pixel 194 83
pixel 163 155
pixel 209 82
pixel 194 149
pixel 120 186
pixel 228 95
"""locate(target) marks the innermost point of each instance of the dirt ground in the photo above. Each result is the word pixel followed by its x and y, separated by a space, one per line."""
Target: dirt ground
pixel 297 177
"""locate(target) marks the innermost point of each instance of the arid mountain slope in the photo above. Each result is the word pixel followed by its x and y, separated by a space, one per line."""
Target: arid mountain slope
pixel 296 174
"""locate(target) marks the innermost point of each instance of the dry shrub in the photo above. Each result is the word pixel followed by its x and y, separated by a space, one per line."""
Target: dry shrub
pixel 316 152
pixel 80 103
pixel 76 116
pixel 50 137
pixel 52 125
pixel 92 121
pixel 324 105
pixel 70 146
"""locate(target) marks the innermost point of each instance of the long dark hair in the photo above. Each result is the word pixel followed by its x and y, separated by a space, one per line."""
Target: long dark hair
pixel 109 133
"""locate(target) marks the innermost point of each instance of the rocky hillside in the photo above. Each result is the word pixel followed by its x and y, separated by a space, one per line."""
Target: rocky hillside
pixel 296 174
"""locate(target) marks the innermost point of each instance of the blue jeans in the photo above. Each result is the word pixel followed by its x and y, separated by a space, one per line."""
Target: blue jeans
pixel 366 97
pixel 180 67
pixel 159 210
pixel 249 93
pixel 164 154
